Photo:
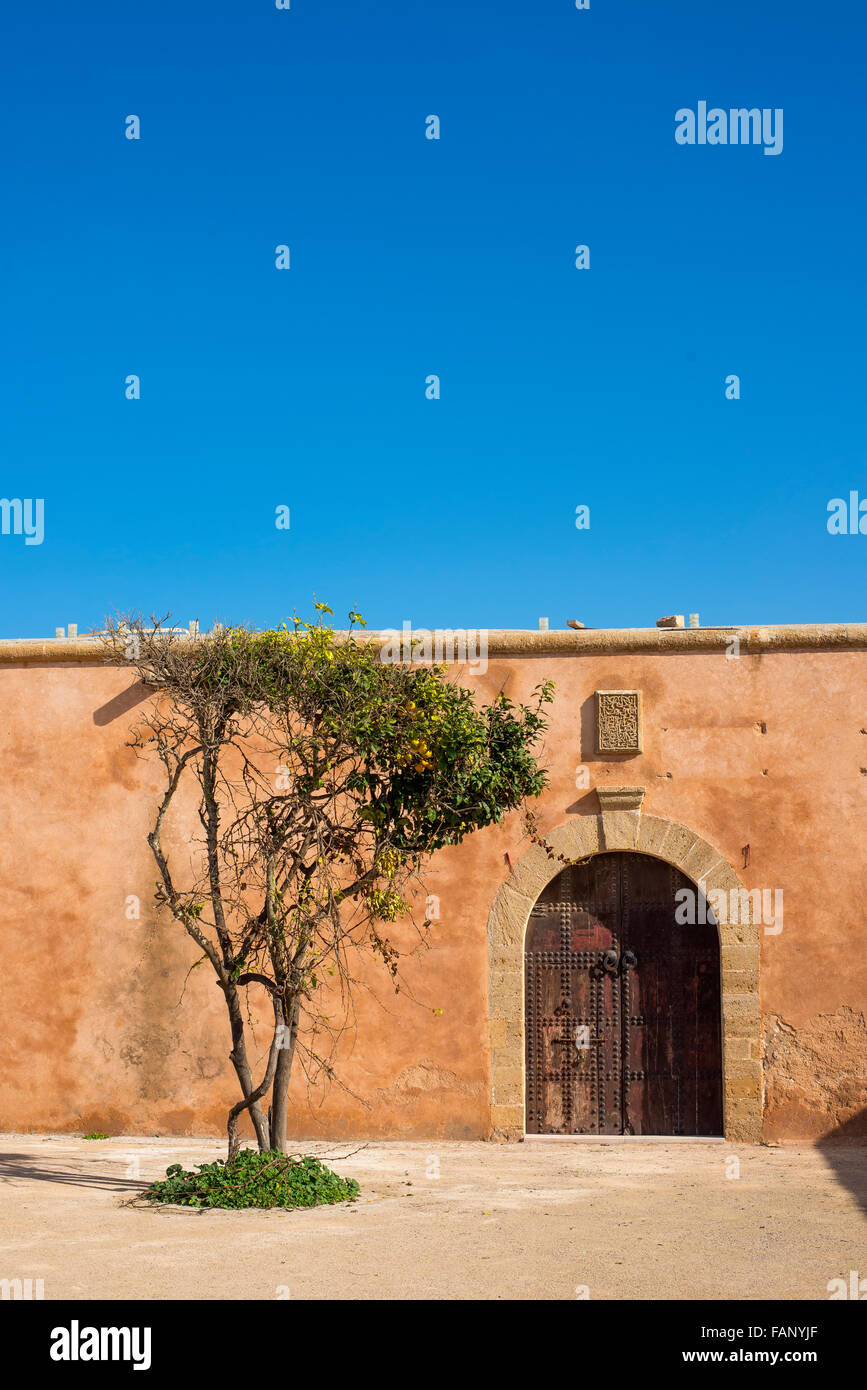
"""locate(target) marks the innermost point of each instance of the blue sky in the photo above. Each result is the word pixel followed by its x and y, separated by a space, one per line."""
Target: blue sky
pixel 411 257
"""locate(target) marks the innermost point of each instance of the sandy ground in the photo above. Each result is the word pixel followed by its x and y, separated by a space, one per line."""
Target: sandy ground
pixel 445 1221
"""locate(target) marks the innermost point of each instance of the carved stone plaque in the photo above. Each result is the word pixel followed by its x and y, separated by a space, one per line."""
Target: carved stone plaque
pixel 618 721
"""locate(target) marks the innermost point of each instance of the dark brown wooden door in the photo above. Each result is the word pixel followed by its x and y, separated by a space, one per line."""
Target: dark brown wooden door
pixel 623 1030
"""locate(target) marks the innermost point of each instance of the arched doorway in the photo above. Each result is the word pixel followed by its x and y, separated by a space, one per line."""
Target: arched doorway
pixel 622 1003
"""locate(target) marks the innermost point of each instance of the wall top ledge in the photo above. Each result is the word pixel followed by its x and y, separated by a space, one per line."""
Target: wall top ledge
pixel 752 640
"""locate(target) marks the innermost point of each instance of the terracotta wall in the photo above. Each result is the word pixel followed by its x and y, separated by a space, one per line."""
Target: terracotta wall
pixel 104 1028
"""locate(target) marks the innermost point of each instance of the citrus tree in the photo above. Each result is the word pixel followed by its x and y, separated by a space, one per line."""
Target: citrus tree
pixel 325 779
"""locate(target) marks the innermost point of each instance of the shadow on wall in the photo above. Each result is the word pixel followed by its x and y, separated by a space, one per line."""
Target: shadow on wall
pixel 121 704
pixel 844 1149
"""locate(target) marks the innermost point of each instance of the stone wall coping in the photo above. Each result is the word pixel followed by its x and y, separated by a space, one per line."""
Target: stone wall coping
pixel 529 642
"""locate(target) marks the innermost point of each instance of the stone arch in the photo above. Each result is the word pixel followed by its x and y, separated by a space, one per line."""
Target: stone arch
pixel 621 826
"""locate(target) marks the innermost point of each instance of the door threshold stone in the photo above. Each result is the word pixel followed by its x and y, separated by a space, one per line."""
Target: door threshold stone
pixel 624 1138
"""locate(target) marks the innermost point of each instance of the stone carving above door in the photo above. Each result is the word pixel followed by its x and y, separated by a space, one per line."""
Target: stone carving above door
pixel 618 722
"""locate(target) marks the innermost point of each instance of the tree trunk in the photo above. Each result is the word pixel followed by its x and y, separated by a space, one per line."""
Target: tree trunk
pixel 234 1137
pixel 260 1124
pixel 280 1095
pixel 252 1097
pixel 238 1057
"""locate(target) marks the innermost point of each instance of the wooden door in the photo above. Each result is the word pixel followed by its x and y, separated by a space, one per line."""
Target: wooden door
pixel 623 1031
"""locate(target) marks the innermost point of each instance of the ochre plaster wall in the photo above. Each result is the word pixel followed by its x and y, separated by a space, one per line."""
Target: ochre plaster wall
pixel 105 1028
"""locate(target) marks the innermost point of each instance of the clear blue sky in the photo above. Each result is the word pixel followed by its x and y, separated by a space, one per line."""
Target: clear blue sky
pixel 410 257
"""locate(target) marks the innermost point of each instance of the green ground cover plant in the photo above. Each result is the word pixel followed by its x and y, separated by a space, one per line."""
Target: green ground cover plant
pixel 254 1179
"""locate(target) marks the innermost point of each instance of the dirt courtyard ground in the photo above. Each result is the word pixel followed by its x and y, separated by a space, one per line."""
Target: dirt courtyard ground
pixel 445 1221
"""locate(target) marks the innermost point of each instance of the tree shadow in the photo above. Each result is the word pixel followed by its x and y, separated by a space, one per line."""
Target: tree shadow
pixel 844 1149
pixel 122 703
pixel 27 1168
